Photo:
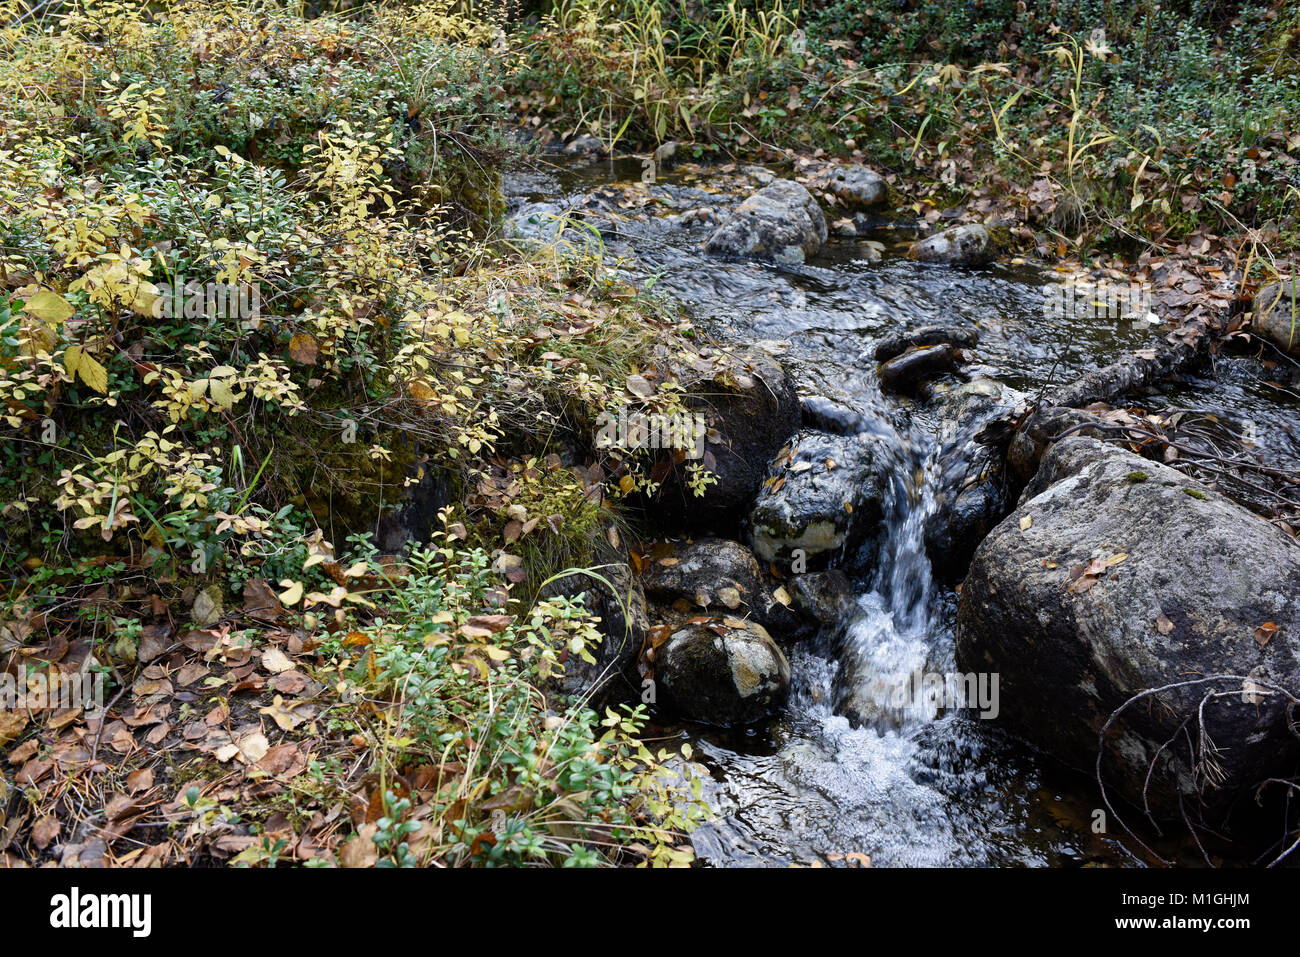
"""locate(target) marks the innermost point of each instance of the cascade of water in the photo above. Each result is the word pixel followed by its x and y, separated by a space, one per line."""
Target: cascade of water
pixel 888 644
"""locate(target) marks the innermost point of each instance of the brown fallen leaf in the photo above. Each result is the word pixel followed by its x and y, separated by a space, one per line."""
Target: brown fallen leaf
pixel 139 780
pixel 45 830
pixel 1164 625
pixel 1265 632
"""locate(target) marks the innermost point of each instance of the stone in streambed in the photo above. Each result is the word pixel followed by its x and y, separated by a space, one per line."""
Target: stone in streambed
pixel 780 223
pixel 717 575
pixel 963 335
pixel 969 245
pixel 905 372
pixel 724 671
pixel 820 498
pixel 1117 575
pixel 857 187
pixel 1276 312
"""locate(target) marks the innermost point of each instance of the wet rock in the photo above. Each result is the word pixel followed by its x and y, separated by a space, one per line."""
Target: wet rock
pixel 700 216
pixel 724 672
pixel 1277 315
pixel 827 415
pixel 1037 433
pixel 904 373
pixel 416 517
pixel 962 335
pixel 1130 576
pixel 971 490
pixel 970 244
pixel 781 223
pixel 857 187
pixel 623 626
pixel 585 145
pixel 821 498
pixel 717 575
pixel 823 597
pixel 750 409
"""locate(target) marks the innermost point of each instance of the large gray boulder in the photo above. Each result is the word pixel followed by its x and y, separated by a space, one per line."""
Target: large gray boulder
pixel 1115 576
pixel 780 223
pixel 723 671
pixel 1277 315
pixel 821 498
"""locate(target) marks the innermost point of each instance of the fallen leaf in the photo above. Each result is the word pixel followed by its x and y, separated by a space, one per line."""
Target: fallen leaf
pixel 1265 632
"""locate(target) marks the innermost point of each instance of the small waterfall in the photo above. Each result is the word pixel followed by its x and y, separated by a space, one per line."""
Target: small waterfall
pixel 889 644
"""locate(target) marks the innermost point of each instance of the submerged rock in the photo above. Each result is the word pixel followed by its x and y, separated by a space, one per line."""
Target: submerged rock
pixel 1117 575
pixel 1277 315
pixel 781 223
pixel 724 671
pixel 857 187
pixel 970 244
pixel 820 498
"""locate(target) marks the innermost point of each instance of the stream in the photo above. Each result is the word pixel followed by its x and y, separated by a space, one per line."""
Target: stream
pixel 911 786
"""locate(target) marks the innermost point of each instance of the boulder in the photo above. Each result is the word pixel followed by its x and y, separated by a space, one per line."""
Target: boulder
pixel 719 576
pixel 724 672
pixel 585 145
pixel 1117 575
pixel 781 223
pixel 821 497
pixel 857 187
pixel 623 626
pixel 971 488
pixel 825 598
pixel 750 410
pixel 1037 433
pixel 970 245
pixel 1276 312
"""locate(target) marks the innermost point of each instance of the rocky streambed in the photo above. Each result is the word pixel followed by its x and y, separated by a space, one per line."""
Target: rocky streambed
pixel 887 633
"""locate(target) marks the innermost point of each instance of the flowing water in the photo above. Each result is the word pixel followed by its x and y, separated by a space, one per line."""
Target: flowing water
pixel 908 782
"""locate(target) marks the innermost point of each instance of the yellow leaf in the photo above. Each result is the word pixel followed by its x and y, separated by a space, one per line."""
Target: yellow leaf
pixel 1026 522
pixel 93 374
pixel 221 394
pixel 49 307
pixel 292 593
